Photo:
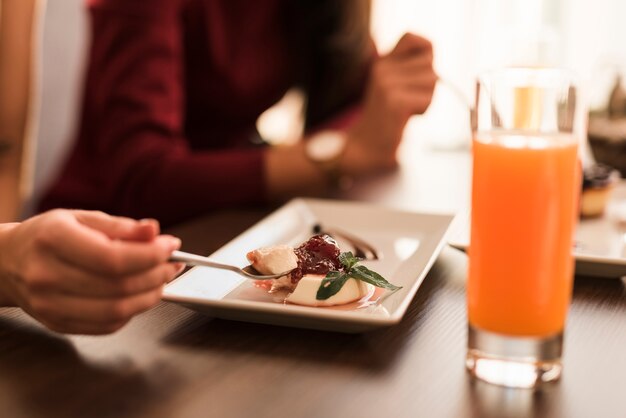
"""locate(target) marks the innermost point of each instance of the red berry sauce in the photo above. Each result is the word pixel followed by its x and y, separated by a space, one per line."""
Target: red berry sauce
pixel 318 255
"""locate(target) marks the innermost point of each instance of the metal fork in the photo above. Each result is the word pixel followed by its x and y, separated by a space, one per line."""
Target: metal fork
pixel 198 260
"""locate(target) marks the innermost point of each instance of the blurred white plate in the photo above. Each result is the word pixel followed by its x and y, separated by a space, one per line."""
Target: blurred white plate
pixel 600 245
pixel 410 243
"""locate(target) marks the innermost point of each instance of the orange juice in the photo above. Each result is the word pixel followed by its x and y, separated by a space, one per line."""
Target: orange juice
pixel 524 195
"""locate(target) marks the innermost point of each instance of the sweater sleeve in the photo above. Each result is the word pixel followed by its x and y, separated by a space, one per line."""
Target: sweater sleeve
pixel 134 114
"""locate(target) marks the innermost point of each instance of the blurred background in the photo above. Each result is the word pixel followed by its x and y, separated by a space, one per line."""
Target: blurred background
pixel 468 36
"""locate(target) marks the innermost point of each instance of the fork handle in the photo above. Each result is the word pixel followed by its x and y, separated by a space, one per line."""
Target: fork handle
pixel 198 260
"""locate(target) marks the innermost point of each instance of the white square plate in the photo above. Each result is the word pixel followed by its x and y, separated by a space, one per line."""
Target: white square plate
pixel 410 243
pixel 600 245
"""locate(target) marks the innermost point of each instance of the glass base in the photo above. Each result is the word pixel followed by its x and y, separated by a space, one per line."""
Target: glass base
pixel 517 362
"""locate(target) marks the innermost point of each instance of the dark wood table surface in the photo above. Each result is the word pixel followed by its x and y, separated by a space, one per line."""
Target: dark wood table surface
pixel 173 362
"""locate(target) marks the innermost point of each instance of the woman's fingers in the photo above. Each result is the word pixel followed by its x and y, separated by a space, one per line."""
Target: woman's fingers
pixel 93 251
pixel 412 68
pixel 61 308
pixel 412 103
pixel 78 326
pixel 412 62
pixel 117 227
pixel 411 44
pixel 424 81
pixel 59 276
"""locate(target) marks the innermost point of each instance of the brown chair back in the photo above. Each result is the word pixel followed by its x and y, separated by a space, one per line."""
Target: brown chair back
pixel 18 37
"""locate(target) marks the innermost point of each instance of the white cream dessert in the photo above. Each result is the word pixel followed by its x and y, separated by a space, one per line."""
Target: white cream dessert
pixel 311 261
pixel 306 291
pixel 275 260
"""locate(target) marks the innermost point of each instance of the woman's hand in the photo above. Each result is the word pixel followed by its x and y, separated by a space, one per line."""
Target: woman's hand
pixel 84 272
pixel 401 84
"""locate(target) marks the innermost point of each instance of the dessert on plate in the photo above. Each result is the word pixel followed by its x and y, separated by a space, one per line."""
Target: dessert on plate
pixel 598 182
pixel 320 274
pixel 607 129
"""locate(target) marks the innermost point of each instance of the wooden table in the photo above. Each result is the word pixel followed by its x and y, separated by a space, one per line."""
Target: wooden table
pixel 172 362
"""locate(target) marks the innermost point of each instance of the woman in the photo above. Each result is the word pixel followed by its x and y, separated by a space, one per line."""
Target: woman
pixel 174 89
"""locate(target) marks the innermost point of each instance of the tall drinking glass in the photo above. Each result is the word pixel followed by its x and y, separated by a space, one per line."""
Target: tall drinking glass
pixel 525 187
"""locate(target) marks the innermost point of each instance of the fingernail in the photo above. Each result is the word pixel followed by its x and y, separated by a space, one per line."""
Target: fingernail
pixel 174 242
pixel 171 243
pixel 179 268
pixel 152 223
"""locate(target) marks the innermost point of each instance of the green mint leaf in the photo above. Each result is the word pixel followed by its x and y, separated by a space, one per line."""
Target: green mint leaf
pixel 348 260
pixel 368 276
pixel 335 280
pixel 331 284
